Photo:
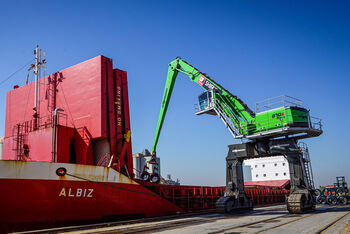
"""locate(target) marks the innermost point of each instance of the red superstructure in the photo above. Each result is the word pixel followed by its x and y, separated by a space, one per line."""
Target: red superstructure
pixel 73 161
pixel 94 123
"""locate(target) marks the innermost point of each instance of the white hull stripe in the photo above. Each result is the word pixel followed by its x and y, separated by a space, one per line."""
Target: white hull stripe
pixel 47 171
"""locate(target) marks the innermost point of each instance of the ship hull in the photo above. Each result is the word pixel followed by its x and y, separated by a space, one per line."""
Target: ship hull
pixel 32 193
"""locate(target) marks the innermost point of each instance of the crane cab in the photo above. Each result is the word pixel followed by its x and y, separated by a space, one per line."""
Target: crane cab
pixel 205 103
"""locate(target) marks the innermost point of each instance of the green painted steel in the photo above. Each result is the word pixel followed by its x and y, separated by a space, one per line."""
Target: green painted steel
pixel 245 121
pixel 169 85
pixel 287 116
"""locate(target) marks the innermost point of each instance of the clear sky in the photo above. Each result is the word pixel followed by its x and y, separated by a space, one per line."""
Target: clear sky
pixel 255 49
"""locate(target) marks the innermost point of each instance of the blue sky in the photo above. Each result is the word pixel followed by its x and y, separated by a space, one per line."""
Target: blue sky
pixel 255 49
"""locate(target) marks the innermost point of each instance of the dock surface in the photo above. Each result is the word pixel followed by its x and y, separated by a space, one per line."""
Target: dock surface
pixel 276 219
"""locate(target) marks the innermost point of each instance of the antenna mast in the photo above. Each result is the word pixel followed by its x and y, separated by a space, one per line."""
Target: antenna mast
pixel 37 72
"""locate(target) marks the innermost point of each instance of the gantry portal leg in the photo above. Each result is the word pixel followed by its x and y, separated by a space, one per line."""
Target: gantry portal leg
pixel 300 199
pixel 235 197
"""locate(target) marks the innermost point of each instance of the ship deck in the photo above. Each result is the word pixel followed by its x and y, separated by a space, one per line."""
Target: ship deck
pixel 273 219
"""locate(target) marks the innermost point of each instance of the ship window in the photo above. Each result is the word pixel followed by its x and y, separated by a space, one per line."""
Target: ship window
pixel 264 175
pixel 283 164
pixel 276 174
pixel 256 175
pixel 284 173
pixel 256 166
pixel 275 164
pixel 263 165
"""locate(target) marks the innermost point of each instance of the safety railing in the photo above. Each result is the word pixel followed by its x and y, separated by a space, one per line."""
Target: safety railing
pixel 231 122
pixel 104 161
pixel 195 198
pixel 204 105
pixel 39 123
pixel 32 125
pixel 315 123
pixel 275 102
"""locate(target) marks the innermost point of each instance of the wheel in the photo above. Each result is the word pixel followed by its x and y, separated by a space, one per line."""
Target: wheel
pixel 341 191
pixel 331 200
pixel 155 178
pixel 317 192
pixel 145 176
pixel 334 201
pixel 342 200
pixel 321 199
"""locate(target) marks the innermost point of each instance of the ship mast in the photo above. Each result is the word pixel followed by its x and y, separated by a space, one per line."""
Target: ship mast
pixel 37 72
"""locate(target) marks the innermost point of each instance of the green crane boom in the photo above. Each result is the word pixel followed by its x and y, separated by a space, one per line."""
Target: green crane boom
pixel 237 116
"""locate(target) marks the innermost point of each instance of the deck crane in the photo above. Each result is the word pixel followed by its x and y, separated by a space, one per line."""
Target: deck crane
pixel 268 133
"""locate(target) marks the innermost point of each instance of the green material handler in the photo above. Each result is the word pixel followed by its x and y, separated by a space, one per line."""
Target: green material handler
pixel 272 131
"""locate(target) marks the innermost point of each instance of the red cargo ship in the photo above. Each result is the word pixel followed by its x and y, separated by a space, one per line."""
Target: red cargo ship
pixel 69 158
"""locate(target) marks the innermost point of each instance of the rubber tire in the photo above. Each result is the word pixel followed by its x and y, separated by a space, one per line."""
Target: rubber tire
pixel 341 191
pixel 342 200
pixel 321 199
pixel 155 178
pixel 317 192
pixel 145 176
pixel 331 200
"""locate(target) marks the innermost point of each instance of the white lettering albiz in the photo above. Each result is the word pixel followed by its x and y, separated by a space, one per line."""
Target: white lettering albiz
pixel 77 193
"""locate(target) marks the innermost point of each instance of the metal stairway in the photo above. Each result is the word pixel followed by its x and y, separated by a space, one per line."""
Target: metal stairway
pixel 307 164
pixel 227 121
pixel 214 107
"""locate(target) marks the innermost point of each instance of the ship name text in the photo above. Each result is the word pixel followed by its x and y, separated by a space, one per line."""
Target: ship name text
pixel 78 192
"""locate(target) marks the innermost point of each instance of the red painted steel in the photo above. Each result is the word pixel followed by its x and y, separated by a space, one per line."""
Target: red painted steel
pixel 80 91
pixel 123 137
pixel 112 106
pixel 194 198
pixel 39 201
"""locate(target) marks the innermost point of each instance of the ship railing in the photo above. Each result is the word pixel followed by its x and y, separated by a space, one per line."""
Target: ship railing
pixel 191 198
pixel 32 125
pixel 105 160
pixel 85 134
pixel 39 123
pixel 62 119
